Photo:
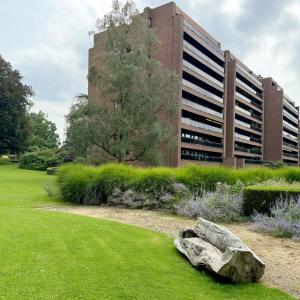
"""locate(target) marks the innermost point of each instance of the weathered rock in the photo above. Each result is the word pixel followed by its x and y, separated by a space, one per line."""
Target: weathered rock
pixel 220 251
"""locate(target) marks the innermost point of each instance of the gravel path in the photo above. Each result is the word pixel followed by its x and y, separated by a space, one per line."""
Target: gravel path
pixel 282 256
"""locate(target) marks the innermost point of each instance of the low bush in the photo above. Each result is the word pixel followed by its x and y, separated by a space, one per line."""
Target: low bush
pixel 5 159
pixel 284 218
pixel 223 205
pixel 260 198
pixel 40 159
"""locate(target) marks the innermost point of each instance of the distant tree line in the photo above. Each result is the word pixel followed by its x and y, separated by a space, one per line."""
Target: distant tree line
pixel 20 129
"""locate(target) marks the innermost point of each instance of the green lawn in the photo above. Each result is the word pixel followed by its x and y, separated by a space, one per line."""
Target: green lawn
pixel 51 255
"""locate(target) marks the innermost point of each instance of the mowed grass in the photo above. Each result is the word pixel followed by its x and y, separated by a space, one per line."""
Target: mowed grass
pixel 52 255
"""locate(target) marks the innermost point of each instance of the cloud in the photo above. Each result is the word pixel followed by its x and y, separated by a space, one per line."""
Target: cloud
pixel 49 43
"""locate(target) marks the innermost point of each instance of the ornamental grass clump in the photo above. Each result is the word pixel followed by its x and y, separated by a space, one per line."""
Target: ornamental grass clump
pixel 283 221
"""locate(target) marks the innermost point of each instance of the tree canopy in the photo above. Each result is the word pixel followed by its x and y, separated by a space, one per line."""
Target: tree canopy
pixel 14 110
pixel 43 133
pixel 135 91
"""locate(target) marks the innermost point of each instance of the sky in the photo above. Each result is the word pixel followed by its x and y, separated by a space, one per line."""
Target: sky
pixel 48 41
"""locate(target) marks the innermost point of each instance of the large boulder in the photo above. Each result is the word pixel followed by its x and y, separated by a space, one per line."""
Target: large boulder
pixel 220 251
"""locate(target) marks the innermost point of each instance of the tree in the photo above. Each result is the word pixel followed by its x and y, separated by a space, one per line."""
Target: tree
pixel 42 132
pixel 77 130
pixel 137 95
pixel 14 110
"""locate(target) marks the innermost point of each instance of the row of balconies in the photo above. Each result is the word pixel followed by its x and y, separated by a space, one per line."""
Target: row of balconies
pixel 190 122
pixel 200 141
pixel 202 73
pixel 202 108
pixel 200 156
pixel 201 90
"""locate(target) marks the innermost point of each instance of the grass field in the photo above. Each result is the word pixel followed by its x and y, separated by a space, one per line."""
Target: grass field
pixel 51 255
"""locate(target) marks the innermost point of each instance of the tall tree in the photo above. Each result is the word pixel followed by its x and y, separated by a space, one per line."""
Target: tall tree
pixel 135 90
pixel 43 132
pixel 14 109
pixel 77 131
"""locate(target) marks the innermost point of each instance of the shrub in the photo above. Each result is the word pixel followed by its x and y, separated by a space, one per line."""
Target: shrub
pixel 52 189
pixel 40 159
pixel 284 218
pixel 260 198
pixel 52 171
pixel 93 185
pixel 5 159
pixel 223 205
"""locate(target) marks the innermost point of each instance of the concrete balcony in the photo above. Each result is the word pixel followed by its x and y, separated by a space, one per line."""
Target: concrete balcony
pixel 203 56
pixel 196 124
pixel 240 82
pixel 201 90
pixel 286 102
pixel 290 127
pixel 201 108
pixel 214 49
pixel 249 76
pixel 289 116
pixel 203 74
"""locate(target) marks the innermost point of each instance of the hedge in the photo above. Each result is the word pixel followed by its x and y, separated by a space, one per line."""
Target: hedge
pixel 93 185
pixel 260 198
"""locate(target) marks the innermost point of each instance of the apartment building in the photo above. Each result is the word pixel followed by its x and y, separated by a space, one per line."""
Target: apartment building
pixel 221 112
pixel 281 124
pixel 244 114
pixel 200 63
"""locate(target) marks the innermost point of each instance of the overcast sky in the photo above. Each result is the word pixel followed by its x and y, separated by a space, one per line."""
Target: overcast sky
pixel 48 41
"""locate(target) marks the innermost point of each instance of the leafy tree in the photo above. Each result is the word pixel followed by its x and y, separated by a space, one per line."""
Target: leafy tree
pixel 14 110
pixel 77 131
pixel 135 91
pixel 42 132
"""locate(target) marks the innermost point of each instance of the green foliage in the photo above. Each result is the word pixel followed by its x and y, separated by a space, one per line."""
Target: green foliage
pixel 14 110
pixel 274 164
pixel 42 132
pixel 106 260
pixel 135 91
pixel 93 185
pixel 260 198
pixel 77 132
pixel 40 159
pixel 4 159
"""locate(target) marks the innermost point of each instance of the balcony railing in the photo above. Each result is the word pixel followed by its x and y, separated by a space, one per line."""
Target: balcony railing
pixel 290 126
pixel 248 150
pixel 244 111
pixel 201 90
pixel 247 138
pixel 288 115
pixel 202 55
pixel 290 145
pixel 289 136
pixel 242 123
pixel 200 157
pixel 193 123
pixel 201 142
pixel 254 161
pixel 201 108
pixel 287 101
pixel 200 72
pixel 290 155
pixel 249 75
pixel 247 86
pixel 203 37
